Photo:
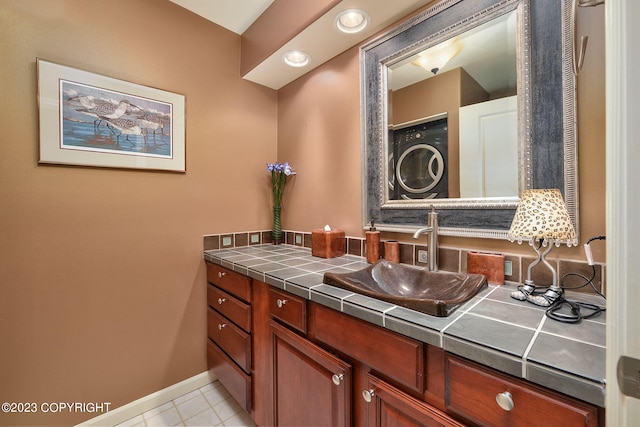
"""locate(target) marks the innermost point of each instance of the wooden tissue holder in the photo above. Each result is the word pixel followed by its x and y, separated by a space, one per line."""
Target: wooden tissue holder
pixel 327 244
pixel 490 265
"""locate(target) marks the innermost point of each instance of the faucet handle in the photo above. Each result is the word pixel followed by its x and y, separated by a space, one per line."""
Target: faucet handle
pixel 432 220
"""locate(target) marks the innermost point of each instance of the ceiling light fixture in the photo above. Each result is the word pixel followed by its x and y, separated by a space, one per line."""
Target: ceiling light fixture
pixel 296 58
pixel 435 58
pixel 351 21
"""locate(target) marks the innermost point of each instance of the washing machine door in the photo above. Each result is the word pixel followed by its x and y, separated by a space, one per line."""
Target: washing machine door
pixel 418 159
pixel 419 170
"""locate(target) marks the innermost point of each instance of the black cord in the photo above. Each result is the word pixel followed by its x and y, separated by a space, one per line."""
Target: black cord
pixel 575 307
pixel 596 238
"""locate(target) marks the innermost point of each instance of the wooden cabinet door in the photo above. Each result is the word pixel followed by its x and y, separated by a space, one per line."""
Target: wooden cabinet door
pixel 387 406
pixel 311 386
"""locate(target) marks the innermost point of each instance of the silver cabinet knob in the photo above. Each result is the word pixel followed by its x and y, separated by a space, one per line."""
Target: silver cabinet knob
pixel 367 395
pixel 221 274
pixel 221 300
pixel 505 401
pixel 221 325
pixel 337 378
pixel 281 302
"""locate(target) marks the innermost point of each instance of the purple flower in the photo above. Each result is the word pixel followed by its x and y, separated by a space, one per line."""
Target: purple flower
pixel 287 169
pixel 279 174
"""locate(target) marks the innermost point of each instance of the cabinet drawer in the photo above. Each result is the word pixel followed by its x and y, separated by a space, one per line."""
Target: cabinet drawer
pixel 232 308
pixel 473 391
pixel 237 382
pixel 235 342
pixel 234 283
pixel 288 308
pixel 395 356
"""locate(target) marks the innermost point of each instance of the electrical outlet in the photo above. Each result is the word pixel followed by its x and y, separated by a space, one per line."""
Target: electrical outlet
pixel 508 268
pixel 423 256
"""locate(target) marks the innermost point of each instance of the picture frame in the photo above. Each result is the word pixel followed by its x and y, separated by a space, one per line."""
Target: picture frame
pixel 87 119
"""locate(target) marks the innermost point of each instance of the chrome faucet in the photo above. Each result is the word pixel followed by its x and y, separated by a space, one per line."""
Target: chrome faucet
pixel 432 229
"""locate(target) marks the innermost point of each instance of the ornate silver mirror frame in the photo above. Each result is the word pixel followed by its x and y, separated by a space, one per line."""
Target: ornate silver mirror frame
pixel 546 114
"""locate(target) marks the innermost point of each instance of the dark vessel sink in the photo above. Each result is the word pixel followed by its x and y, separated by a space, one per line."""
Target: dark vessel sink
pixel 434 293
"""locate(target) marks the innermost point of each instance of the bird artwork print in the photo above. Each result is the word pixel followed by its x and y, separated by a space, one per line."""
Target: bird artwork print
pixel 97 119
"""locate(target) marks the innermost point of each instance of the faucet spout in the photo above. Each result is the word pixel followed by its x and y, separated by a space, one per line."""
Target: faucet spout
pixel 422 230
pixel 432 230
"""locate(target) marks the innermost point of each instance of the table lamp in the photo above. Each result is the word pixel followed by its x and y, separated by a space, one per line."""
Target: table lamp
pixel 541 217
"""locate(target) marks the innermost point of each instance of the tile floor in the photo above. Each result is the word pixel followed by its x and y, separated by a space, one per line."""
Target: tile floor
pixel 210 405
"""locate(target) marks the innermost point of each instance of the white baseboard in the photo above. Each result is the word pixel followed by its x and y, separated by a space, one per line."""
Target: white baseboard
pixel 153 400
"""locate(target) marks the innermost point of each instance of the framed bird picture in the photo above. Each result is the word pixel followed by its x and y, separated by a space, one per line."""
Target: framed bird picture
pixel 88 119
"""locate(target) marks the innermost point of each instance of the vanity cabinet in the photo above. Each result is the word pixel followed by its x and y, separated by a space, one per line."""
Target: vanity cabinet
pixel 291 361
pixel 229 326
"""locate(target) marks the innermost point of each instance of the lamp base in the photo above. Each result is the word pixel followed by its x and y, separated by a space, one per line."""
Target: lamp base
pixel 547 299
pixel 524 291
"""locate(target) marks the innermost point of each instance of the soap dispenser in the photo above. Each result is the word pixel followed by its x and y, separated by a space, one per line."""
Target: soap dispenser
pixel 373 244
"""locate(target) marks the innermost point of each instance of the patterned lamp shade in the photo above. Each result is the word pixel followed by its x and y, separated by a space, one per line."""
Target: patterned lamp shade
pixel 542 216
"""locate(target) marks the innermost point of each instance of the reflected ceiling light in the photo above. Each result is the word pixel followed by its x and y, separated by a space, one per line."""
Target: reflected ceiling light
pixel 351 20
pixel 296 58
pixel 435 58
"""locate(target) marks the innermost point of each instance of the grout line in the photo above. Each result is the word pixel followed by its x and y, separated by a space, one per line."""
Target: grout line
pixel 501 321
pixel 530 346
pixel 227 404
pixel 573 339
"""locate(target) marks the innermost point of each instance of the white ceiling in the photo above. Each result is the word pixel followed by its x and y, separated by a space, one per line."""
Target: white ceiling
pixel 320 39
pixel 234 15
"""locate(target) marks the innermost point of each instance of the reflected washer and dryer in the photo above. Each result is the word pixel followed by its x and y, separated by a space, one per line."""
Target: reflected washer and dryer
pixel 418 155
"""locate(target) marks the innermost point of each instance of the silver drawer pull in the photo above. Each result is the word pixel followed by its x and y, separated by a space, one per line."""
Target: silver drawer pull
pixel 367 395
pixel 221 300
pixel 505 401
pixel 281 302
pixel 221 274
pixel 221 325
pixel 337 378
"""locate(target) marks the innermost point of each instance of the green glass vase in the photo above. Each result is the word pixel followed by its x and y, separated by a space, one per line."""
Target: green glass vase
pixel 276 230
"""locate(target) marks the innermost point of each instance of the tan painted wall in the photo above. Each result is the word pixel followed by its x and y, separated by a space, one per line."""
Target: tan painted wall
pixel 102 283
pixel 319 133
pixel 101 274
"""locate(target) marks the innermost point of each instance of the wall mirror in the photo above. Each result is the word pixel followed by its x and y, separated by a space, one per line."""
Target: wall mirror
pixel 464 106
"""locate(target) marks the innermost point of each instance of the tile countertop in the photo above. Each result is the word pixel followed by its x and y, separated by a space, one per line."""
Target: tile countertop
pixel 493 329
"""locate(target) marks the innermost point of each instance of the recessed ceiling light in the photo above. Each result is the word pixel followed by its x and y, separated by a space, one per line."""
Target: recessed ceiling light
pixel 296 58
pixel 351 20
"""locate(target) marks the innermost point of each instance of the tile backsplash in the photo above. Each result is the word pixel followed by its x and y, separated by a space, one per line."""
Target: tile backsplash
pixel 451 259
